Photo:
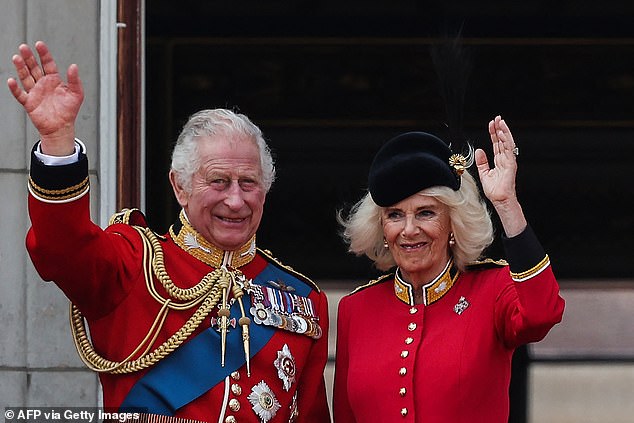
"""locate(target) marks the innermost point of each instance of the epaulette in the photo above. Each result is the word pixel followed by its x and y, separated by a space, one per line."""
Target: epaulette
pixel 133 217
pixel 486 263
pixel 269 257
pixel 373 282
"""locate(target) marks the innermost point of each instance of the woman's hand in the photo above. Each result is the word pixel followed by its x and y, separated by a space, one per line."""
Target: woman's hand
pixel 51 104
pixel 498 182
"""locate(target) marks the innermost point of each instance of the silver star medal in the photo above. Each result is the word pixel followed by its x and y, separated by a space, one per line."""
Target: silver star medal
pixel 263 401
pixel 285 365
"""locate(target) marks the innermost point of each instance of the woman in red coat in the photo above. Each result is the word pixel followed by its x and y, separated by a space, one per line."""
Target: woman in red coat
pixel 432 341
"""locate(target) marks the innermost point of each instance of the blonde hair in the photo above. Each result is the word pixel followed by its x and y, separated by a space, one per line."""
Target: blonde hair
pixel 470 223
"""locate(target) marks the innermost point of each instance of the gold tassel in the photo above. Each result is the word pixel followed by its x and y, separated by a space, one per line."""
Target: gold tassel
pixel 223 314
pixel 244 322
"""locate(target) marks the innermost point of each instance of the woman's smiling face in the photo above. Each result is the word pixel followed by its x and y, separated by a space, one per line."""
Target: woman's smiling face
pixel 417 232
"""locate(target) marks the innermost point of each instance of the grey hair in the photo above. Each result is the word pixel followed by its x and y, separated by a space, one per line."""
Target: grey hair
pixel 470 222
pixel 185 158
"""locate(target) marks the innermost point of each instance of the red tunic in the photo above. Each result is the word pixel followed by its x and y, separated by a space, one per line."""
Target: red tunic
pixel 102 273
pixel 447 361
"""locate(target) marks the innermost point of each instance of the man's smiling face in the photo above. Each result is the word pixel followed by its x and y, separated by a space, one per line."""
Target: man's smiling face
pixel 226 201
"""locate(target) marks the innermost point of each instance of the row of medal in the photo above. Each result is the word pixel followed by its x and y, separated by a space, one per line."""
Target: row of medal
pixel 284 310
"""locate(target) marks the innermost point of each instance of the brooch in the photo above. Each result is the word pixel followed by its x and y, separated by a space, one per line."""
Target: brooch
pixel 461 306
pixel 458 162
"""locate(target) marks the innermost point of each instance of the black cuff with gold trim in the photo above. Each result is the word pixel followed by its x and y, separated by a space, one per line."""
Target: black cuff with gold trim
pixel 523 251
pixel 58 183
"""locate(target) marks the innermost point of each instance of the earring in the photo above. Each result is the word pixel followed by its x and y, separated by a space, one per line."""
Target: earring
pixel 385 244
pixel 452 240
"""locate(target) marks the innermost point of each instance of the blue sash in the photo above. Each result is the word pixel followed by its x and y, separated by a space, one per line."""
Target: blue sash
pixel 194 367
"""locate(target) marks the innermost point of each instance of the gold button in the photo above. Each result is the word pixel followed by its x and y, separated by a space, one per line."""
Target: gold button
pixel 235 375
pixel 413 310
pixel 411 327
pixel 230 419
pixel 404 353
pixel 403 412
pixel 236 389
pixel 234 405
pixel 409 340
pixel 402 392
pixel 402 371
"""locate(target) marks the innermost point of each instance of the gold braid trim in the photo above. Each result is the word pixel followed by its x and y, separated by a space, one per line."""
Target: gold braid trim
pixel 59 195
pixel 123 216
pixel 193 293
pixel 57 192
pixel 520 277
pixel 207 291
pixel 371 283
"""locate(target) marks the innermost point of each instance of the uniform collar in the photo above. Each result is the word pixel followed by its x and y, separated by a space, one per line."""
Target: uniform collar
pixel 186 237
pixel 433 291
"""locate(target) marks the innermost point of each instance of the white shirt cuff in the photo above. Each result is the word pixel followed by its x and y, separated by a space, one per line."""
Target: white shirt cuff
pixel 59 160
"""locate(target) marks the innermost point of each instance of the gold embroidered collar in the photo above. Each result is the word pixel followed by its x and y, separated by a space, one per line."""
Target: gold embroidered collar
pixel 186 237
pixel 432 292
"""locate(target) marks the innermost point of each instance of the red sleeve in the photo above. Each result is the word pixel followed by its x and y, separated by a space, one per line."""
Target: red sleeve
pixel 89 264
pixel 530 304
pixel 312 400
pixel 527 310
pixel 341 405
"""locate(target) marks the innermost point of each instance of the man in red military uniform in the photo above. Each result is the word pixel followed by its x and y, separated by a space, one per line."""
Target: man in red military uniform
pixel 195 325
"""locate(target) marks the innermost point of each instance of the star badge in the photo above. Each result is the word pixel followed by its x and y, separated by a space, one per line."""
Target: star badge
pixel 285 365
pixel 263 401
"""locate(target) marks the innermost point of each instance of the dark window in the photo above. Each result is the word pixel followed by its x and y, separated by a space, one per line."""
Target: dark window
pixel 328 82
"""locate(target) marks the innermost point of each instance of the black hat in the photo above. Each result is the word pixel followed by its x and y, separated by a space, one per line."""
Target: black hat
pixel 409 163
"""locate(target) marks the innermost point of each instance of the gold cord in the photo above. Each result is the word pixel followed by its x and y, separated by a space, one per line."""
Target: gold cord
pixel 207 292
pixel 158 265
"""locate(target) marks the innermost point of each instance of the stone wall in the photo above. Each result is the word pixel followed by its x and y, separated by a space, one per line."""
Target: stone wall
pixel 38 363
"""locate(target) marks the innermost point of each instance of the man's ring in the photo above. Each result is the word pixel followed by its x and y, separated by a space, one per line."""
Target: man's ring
pixel 516 151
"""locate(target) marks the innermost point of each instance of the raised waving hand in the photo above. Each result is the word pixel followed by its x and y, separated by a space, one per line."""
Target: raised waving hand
pixel 498 182
pixel 51 103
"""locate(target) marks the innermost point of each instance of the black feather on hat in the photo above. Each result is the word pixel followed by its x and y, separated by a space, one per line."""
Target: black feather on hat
pixel 453 64
pixel 413 161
